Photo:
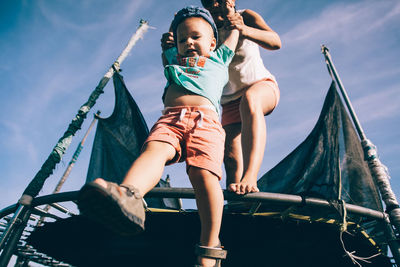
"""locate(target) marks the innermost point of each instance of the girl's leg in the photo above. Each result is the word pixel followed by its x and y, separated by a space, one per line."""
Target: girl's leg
pixel 210 203
pixel 233 153
pixel 147 169
pixel 259 99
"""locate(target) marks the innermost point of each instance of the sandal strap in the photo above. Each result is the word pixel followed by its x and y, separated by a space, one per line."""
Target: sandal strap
pixel 210 252
pixel 131 190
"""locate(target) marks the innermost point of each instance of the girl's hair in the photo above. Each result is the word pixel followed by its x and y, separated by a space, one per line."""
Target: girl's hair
pixel 209 3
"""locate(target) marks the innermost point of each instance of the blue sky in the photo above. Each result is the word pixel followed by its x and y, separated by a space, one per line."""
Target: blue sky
pixel 53 54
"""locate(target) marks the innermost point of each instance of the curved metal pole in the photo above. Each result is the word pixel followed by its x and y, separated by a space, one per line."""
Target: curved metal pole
pixel 12 234
pixel 188 193
pixel 263 197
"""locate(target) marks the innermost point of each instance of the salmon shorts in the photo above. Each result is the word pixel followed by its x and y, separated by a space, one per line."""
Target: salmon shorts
pixel 231 110
pixel 195 133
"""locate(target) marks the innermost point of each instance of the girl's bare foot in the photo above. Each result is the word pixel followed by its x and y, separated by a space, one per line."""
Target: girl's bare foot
pixel 243 187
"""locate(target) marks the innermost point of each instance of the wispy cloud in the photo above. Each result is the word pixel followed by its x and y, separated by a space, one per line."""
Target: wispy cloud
pixel 17 140
pixel 104 50
pixel 286 132
pixel 147 89
pixel 150 83
pixel 379 105
pixel 102 21
pixel 344 22
pixel 360 26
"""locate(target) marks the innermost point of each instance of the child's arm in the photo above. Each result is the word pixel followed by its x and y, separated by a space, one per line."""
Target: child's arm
pixel 167 42
pixel 228 9
pixel 253 27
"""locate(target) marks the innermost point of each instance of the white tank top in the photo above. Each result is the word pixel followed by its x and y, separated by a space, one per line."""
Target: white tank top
pixel 245 69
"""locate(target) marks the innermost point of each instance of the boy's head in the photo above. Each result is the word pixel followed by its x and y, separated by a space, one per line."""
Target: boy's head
pixel 194 31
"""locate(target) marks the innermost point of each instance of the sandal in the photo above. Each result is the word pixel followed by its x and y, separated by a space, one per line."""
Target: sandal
pixel 123 214
pixel 217 253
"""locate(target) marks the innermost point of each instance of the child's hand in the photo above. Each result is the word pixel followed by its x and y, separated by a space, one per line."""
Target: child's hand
pixel 235 21
pixel 167 41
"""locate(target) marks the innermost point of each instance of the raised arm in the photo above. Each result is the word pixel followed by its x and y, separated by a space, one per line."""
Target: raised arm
pixel 167 41
pixel 228 10
pixel 252 26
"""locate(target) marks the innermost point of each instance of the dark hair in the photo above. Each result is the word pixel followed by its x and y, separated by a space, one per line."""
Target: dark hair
pixel 209 3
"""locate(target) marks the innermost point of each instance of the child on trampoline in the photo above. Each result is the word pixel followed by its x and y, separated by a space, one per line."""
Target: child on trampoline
pixel 251 93
pixel 188 130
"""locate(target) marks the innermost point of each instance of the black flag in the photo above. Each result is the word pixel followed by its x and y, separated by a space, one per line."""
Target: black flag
pixel 328 164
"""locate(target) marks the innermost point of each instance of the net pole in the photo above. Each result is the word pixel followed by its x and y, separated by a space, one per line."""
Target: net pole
pixel 59 150
pixel 346 98
pixel 379 171
pixel 71 164
pixel 12 234
pixel 7 240
pixel 75 157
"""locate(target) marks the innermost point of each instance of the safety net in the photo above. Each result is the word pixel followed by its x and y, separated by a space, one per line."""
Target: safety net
pixel 328 165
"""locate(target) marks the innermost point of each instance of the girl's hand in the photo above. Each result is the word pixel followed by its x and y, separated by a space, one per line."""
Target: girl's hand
pixel 228 7
pixel 167 41
pixel 235 21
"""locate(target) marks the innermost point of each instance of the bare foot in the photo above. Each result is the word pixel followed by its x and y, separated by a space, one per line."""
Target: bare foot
pixel 243 187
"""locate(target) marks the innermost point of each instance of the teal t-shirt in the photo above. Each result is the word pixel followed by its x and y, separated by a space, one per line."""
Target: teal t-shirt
pixel 205 76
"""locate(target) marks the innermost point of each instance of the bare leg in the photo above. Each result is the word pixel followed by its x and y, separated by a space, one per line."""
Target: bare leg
pixel 147 169
pixel 259 99
pixel 210 202
pixel 233 153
